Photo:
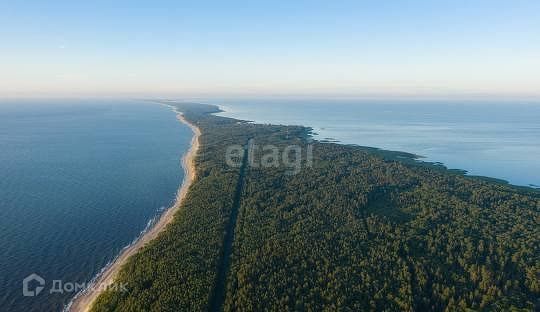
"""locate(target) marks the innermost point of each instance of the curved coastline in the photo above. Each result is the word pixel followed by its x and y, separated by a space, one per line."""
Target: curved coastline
pixel 425 186
pixel 83 300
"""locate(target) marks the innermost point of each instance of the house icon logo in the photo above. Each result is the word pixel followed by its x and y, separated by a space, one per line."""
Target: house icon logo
pixel 33 284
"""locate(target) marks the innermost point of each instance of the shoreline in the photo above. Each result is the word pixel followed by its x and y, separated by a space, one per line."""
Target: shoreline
pixel 84 300
pixel 390 154
pixel 411 180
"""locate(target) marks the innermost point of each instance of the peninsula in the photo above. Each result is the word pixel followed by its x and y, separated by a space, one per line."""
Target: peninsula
pixel 313 225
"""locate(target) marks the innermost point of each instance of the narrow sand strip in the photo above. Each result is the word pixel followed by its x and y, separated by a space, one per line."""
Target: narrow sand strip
pixel 84 300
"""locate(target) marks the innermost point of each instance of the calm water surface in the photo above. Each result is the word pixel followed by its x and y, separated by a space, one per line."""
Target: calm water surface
pixel 494 139
pixel 79 181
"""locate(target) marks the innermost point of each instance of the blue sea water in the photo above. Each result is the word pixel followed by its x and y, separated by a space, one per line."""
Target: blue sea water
pixel 499 139
pixel 79 181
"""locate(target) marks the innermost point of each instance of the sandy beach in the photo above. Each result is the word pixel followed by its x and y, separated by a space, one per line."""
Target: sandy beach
pixel 84 300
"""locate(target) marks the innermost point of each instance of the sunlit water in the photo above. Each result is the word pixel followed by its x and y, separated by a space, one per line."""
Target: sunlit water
pixel 79 181
pixel 494 139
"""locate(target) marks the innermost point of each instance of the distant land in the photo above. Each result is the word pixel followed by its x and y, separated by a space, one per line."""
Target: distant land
pixel 335 227
pixel 493 138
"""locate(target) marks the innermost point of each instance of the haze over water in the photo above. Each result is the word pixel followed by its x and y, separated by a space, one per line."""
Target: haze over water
pixel 494 139
pixel 80 180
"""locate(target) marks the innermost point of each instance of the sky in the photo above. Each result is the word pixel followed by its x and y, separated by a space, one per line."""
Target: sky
pixel 316 48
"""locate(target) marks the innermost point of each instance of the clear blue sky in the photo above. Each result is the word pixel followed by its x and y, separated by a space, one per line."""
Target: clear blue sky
pixel 166 48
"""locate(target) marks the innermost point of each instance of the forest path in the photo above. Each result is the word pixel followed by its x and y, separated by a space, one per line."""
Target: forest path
pixel 217 298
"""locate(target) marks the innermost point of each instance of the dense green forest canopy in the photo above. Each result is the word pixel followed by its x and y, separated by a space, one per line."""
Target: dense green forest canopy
pixel 354 229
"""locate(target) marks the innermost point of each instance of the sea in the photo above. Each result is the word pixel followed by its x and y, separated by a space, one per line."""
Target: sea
pixel 498 138
pixel 79 181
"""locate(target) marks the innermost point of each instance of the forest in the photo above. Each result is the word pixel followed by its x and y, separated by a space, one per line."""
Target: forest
pixel 353 229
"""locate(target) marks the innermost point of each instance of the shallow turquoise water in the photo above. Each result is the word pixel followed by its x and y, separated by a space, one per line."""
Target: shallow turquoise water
pixel 494 139
pixel 79 181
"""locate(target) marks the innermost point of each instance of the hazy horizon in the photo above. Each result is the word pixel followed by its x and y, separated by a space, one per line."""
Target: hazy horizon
pixel 217 99
pixel 451 49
